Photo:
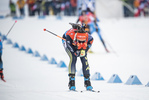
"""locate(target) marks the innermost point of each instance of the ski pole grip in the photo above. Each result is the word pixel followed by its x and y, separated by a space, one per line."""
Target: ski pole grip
pixel 61 37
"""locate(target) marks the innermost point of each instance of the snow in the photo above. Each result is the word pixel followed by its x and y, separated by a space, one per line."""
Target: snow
pixel 29 78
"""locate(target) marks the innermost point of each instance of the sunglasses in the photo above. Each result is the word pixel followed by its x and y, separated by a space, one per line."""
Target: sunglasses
pixel 81 41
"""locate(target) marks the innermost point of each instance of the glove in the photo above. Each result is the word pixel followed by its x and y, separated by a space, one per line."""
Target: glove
pixel 82 53
pixel 64 43
pixel 81 46
pixel 4 38
pixel 77 53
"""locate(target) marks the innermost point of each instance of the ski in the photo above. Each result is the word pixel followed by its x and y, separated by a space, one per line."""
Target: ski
pixel 73 91
pixel 3 80
pixel 84 91
pixel 91 91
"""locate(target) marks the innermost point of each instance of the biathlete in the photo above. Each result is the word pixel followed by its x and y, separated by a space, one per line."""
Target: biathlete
pixel 1 63
pixel 77 43
pixel 90 20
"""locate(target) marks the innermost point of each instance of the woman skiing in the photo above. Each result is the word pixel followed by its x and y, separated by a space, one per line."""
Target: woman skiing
pixel 77 42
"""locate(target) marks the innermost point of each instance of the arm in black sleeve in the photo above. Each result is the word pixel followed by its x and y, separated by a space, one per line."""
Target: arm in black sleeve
pixel 96 26
pixel 90 41
pixel 95 22
pixel 78 20
pixel 69 44
pixel 64 36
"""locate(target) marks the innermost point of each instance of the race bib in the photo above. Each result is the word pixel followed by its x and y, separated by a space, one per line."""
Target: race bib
pixel 82 53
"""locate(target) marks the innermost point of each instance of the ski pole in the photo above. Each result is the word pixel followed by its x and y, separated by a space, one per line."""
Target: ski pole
pixel 112 49
pixel 110 46
pixel 54 34
pixel 10 29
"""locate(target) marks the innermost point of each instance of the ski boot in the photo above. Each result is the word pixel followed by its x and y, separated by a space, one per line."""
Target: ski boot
pixel 107 50
pixel 87 83
pixel 2 75
pixel 71 84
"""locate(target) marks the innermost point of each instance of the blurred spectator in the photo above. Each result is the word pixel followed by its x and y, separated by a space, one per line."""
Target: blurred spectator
pixel 136 8
pixel 54 6
pixel 136 3
pixel 146 9
pixel 141 8
pixel 62 6
pixel 43 9
pixel 73 6
pixel 30 6
pixel 12 8
pixel 37 7
pixel 67 8
pixel 48 4
pixel 21 4
pixel 58 8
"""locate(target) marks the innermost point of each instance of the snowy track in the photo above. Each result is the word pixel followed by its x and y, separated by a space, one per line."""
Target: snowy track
pixel 29 78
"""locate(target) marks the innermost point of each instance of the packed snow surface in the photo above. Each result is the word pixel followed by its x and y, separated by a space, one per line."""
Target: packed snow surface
pixel 29 78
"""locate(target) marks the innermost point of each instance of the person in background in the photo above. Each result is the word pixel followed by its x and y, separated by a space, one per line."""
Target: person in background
pixel 48 4
pixel 67 8
pixel 146 9
pixel 63 7
pixel 12 8
pixel 136 5
pixel 43 7
pixel 1 62
pixel 58 9
pixel 73 7
pixel 30 6
pixel 21 4
pixel 37 7
pixel 88 17
pixel 77 44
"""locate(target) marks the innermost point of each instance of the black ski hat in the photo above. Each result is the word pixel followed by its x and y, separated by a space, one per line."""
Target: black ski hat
pixel 80 28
